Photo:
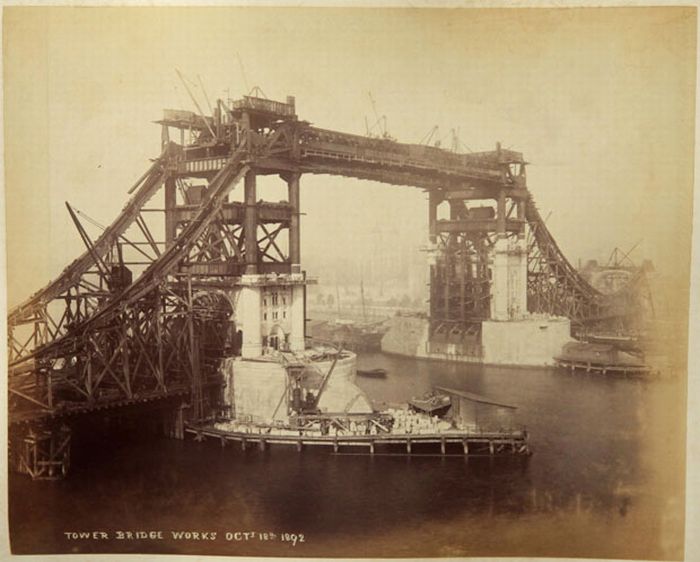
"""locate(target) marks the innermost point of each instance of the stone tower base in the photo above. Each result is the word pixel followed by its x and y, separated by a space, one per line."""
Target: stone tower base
pixel 532 341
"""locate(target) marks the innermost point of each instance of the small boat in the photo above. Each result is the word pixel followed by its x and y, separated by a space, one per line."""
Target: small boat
pixel 432 403
pixel 373 373
pixel 630 344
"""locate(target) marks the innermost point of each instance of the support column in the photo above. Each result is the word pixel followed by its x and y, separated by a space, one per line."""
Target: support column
pixel 164 136
pixel 446 280
pixel 499 281
pixel 509 282
pixel 501 214
pixel 518 277
pixel 294 227
pixel 251 224
pixel 170 203
pixel 433 202
pixel 298 320
pixel 456 207
pixel 249 318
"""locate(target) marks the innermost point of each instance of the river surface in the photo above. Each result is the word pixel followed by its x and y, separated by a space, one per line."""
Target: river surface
pixel 604 482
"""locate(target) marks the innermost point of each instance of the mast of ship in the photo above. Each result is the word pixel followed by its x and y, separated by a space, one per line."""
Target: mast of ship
pixel 337 298
pixel 362 295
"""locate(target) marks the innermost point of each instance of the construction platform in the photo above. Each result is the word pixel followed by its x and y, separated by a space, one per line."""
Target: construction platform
pixel 588 367
pixel 445 444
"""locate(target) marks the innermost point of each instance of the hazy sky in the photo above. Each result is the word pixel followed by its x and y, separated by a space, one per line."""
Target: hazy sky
pixel 600 101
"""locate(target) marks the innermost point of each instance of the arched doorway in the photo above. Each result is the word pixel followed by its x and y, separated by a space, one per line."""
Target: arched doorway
pixel 276 338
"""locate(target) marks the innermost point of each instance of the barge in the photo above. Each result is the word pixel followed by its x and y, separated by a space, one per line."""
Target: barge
pixel 310 399
pixel 348 334
pixel 432 403
pixel 372 373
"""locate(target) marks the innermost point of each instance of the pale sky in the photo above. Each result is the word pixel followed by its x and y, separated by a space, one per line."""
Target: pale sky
pixel 600 101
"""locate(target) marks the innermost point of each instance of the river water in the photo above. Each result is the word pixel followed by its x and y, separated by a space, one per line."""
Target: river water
pixel 604 482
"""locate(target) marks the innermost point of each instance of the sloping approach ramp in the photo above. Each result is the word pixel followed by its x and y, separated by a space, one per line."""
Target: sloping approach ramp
pixel 79 276
pixel 556 287
pixel 127 343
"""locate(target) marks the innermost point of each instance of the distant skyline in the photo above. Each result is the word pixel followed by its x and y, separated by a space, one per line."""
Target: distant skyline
pixel 601 102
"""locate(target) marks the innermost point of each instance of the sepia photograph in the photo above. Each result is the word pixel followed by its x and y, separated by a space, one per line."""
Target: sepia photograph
pixel 348 282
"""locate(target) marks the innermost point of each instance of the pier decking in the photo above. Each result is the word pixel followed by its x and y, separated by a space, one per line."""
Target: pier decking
pixel 447 444
pixel 588 367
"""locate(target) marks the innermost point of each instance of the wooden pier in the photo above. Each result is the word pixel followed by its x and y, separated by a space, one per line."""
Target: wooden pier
pixel 444 444
pixel 603 369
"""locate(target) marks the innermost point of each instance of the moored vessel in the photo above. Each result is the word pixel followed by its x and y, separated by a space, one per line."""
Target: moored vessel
pixel 372 373
pixel 431 403
pixel 348 334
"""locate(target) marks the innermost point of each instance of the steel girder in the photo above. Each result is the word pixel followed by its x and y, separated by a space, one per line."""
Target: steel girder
pixel 555 287
pixel 140 343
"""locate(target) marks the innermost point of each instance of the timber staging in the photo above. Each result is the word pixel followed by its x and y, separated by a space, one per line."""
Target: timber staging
pixel 603 369
pixel 446 444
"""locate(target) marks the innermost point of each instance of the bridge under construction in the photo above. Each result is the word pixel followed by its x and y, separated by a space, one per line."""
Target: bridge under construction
pixel 185 276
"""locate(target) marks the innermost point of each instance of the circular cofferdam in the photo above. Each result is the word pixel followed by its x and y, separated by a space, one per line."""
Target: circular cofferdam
pixel 344 369
pixel 341 394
